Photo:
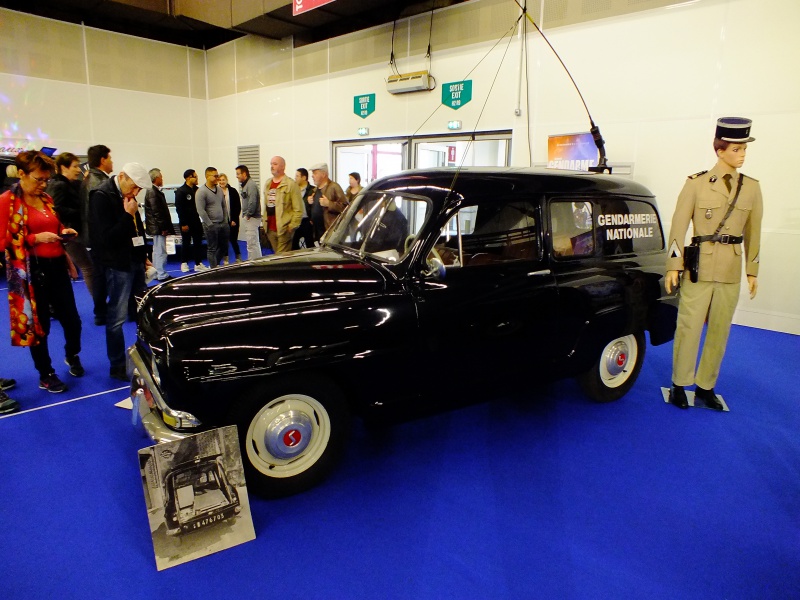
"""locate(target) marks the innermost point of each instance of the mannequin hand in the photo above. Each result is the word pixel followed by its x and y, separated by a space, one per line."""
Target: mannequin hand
pixel 752 283
pixel 671 280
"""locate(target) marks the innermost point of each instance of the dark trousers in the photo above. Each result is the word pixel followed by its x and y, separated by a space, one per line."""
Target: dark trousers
pixel 217 235
pixel 121 285
pixel 235 240
pixel 99 291
pixel 193 237
pixel 303 235
pixel 53 287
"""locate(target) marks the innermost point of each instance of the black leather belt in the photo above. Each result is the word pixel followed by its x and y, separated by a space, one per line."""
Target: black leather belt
pixel 719 239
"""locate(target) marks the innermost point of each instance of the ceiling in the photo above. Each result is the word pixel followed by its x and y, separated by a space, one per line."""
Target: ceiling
pixel 213 22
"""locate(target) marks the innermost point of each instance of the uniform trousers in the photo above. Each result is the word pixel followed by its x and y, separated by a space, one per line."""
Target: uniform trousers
pixel 53 287
pixel 714 300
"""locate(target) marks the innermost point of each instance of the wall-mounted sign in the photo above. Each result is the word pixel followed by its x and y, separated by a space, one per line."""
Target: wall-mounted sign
pixel 575 151
pixel 451 154
pixel 301 6
pixel 364 105
pixel 457 93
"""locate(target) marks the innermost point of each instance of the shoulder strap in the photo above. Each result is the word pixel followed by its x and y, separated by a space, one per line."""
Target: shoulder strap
pixel 730 208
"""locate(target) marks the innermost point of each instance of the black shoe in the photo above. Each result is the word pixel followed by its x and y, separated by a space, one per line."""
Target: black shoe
pixel 119 373
pixel 75 367
pixel 677 396
pixel 7 405
pixel 52 384
pixel 7 384
pixel 709 398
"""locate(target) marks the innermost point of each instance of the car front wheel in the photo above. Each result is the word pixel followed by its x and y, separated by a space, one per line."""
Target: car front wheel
pixel 615 370
pixel 292 434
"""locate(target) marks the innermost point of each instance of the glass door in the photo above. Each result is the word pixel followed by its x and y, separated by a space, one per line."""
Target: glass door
pixel 486 150
pixel 370 161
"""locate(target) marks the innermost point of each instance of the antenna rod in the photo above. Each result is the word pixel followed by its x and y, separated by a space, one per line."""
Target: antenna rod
pixel 602 165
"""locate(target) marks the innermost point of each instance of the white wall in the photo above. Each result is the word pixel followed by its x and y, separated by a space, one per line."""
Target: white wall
pixel 96 97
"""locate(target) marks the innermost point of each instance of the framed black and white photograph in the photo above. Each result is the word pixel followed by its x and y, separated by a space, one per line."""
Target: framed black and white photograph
pixel 196 497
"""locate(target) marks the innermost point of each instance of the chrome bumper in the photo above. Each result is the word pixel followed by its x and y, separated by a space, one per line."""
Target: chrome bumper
pixel 146 419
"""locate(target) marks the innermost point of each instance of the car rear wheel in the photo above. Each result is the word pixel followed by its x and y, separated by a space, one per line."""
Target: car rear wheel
pixel 615 370
pixel 292 434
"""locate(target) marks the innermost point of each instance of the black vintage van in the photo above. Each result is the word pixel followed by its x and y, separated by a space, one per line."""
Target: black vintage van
pixel 430 278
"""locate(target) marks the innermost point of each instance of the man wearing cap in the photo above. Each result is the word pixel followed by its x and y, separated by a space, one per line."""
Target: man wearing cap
pixel 117 234
pixel 329 200
pixel 708 199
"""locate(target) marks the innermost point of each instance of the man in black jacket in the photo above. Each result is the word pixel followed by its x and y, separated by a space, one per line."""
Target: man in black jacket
pixel 117 236
pixel 158 222
pixel 191 227
pixel 100 167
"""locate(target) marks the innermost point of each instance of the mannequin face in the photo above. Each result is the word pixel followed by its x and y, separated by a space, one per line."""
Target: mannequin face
pixel 733 155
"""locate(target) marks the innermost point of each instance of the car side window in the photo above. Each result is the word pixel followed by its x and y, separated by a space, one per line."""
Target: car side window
pixel 626 226
pixel 572 228
pixel 493 231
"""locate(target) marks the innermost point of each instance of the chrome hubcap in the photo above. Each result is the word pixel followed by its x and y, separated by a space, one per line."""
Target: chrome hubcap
pixel 289 434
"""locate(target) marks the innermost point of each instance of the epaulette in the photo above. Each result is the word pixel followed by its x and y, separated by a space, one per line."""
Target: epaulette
pixel 696 175
pixel 753 178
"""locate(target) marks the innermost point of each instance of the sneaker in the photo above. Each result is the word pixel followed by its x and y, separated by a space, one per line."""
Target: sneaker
pixel 7 384
pixel 119 373
pixel 238 259
pixel 75 367
pixel 167 278
pixel 200 267
pixel 7 405
pixel 52 384
pixel 224 261
pixel 185 267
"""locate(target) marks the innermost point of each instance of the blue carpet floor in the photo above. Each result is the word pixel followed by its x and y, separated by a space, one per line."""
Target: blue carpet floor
pixel 542 494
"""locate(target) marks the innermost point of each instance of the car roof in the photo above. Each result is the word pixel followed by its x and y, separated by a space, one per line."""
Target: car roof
pixel 512 179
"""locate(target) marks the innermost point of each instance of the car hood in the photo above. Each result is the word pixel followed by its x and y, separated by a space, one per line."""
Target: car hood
pixel 275 284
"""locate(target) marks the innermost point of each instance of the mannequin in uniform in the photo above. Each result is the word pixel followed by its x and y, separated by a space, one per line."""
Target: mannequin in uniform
pixel 704 201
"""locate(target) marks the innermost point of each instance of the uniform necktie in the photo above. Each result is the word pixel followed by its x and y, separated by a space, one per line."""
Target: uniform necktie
pixel 727 180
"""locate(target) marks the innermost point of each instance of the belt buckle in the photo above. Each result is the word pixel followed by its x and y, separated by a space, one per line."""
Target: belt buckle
pixel 725 238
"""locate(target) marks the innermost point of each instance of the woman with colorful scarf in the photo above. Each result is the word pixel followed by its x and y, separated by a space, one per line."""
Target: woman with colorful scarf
pixel 36 269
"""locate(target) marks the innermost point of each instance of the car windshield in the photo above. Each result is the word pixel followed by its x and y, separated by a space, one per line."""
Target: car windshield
pixel 380 224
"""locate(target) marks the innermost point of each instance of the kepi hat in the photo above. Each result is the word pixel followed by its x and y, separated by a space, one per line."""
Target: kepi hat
pixel 734 129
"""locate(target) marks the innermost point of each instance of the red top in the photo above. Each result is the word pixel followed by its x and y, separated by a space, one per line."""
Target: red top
pixel 272 220
pixel 38 222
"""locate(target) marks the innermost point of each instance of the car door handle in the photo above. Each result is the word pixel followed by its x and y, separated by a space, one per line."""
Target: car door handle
pixel 542 272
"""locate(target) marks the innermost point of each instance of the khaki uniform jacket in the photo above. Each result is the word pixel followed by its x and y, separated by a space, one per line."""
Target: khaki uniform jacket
pixel 289 209
pixel 704 201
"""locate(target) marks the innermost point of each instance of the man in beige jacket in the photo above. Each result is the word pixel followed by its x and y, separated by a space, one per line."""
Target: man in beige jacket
pixel 704 201
pixel 284 207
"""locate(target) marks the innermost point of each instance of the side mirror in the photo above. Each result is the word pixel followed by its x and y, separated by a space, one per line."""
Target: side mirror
pixel 435 269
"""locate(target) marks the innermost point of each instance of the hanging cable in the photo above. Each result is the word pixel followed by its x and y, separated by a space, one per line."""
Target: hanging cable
pixel 392 62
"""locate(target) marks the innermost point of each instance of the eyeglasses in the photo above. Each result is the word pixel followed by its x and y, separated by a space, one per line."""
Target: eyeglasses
pixel 44 180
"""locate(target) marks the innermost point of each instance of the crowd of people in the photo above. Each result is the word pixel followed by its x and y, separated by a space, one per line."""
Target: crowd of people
pixel 54 223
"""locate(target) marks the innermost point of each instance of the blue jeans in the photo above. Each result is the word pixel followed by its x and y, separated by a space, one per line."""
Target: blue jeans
pixel 120 284
pixel 160 256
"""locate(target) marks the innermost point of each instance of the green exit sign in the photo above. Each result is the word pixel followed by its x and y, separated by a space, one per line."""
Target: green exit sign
pixel 457 93
pixel 364 105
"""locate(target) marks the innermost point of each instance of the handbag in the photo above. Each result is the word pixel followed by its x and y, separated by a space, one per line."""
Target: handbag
pixel 691 253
